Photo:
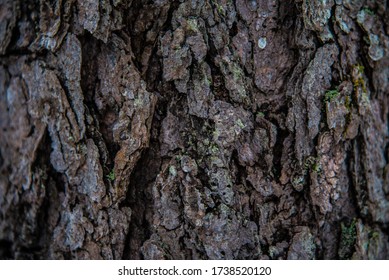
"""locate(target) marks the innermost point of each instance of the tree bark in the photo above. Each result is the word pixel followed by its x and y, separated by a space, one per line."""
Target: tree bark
pixel 194 129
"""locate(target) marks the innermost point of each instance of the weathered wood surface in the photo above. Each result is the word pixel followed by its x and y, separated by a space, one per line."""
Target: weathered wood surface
pixel 194 129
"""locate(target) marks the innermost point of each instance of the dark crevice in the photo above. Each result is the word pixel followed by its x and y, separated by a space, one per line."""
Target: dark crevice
pixel 89 85
pixel 16 53
pixel 217 86
pixel 153 74
pixel 233 30
pixel 40 234
pixel 6 250
pixel 241 174
pixel 359 180
pixel 352 191
pixel 139 196
pixel 281 234
pixel 139 40
pixel 277 153
pixel 1 161
pixel 139 199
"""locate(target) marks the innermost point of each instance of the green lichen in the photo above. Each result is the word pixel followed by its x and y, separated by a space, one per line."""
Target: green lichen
pixel 207 81
pixel 330 95
pixel 313 164
pixel 365 98
pixel 235 81
pixel 138 102
pixel 82 148
pixel 316 167
pixel 111 176
pixel 172 170
pixel 260 115
pixel 220 9
pixel 358 80
pixel 368 11
pixel 360 68
pixel 240 124
pixel 214 149
pixel 216 134
pixel 178 158
pixel 347 239
pixel 192 24
pixel 224 209
pixel 347 103
pixel 273 251
pixel 237 72
pixel 360 83
pixel 190 142
pixel 375 234
pixel 298 182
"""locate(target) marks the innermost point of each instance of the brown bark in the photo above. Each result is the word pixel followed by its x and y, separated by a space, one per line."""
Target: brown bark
pixel 206 129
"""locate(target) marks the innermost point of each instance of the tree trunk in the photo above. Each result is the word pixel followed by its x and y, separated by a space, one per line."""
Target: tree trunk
pixel 194 129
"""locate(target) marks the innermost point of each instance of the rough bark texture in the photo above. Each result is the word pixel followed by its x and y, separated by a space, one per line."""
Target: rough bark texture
pixel 194 129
